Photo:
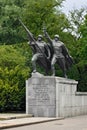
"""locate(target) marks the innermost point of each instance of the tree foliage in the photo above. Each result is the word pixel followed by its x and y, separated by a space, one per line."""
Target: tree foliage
pixel 13 73
pixel 79 23
pixel 9 26
pixel 44 13
pixel 82 64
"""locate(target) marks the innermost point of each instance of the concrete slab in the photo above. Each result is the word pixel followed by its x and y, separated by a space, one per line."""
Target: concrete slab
pixel 8 116
pixel 24 121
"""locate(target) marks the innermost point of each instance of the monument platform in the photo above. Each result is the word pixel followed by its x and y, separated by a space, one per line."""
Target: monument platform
pixel 45 95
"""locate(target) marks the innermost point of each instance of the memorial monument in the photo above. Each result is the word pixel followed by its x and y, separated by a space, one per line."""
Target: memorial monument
pixel 42 92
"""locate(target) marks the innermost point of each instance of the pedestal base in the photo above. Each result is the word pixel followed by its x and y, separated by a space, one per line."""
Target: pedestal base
pixel 43 95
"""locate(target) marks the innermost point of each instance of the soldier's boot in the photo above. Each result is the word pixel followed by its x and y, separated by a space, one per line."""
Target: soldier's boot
pixel 65 75
pixel 34 66
pixel 64 71
pixel 53 70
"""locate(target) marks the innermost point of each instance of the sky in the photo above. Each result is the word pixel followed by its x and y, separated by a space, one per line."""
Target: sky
pixel 69 5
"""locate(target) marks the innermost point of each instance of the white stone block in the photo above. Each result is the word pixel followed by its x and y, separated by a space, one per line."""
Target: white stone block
pixel 51 96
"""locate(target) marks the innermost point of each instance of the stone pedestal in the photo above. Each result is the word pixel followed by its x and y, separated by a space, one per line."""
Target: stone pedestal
pixel 43 95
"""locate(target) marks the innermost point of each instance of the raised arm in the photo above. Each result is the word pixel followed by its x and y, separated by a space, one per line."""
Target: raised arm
pixel 47 36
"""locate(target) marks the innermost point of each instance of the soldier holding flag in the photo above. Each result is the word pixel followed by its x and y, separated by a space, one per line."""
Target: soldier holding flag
pixel 41 51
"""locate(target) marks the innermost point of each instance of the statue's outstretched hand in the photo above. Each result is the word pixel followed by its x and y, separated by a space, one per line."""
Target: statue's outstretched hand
pixel 44 29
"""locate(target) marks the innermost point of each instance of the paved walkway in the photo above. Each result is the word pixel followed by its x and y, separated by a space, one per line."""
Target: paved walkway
pixel 72 123
pixel 14 120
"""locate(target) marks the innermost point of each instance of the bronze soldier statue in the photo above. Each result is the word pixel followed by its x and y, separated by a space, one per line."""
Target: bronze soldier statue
pixel 41 52
pixel 47 55
pixel 60 54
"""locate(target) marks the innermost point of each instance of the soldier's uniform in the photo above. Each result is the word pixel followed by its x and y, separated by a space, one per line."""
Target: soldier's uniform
pixel 39 52
pixel 58 56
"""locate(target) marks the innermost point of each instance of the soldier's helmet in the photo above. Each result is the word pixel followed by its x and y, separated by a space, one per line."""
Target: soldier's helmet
pixel 40 36
pixel 56 36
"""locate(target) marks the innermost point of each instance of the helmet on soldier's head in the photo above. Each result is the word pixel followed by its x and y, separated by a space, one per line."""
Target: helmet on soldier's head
pixel 40 36
pixel 56 36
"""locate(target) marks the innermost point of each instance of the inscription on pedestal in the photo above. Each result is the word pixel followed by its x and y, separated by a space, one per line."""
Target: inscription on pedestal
pixel 41 97
pixel 41 93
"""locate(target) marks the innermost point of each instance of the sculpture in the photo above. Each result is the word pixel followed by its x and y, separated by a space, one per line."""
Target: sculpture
pixel 47 55
pixel 41 52
pixel 59 54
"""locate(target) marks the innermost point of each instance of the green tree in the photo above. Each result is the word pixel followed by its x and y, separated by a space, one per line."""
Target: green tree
pixel 14 70
pixel 9 26
pixel 78 21
pixel 76 18
pixel 37 14
pixel 83 55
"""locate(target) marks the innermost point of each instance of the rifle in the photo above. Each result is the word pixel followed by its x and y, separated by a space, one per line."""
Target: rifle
pixel 28 32
pixel 31 37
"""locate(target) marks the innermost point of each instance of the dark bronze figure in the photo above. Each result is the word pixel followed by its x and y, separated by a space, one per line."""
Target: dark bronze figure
pixel 41 52
pixel 59 54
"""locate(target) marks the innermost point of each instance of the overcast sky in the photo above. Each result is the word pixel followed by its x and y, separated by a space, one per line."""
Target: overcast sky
pixel 69 5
